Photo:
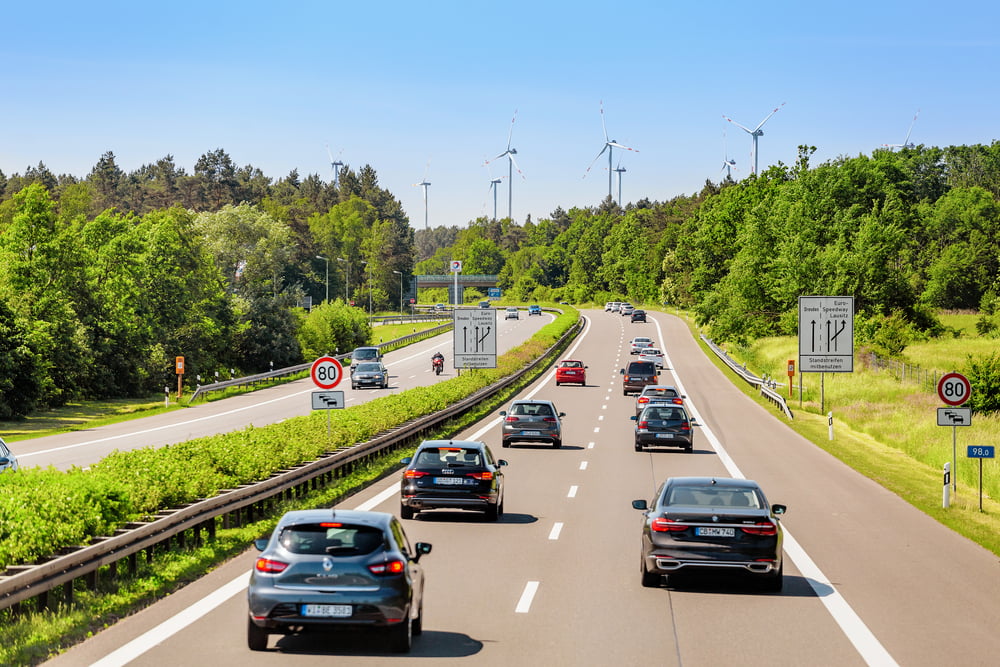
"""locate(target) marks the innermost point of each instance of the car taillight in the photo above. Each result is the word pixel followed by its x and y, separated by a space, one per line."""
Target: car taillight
pixel 511 419
pixel 269 566
pixel 387 568
pixel 410 474
pixel 685 426
pixel 643 399
pixel 643 424
pixel 678 401
pixel 482 476
pixel 761 528
pixel 663 525
pixel 548 419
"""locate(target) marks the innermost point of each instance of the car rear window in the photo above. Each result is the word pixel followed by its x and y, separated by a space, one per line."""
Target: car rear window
pixel 445 456
pixel 532 409
pixel 713 496
pixel 642 368
pixel 333 539
pixel 667 393
pixel 364 354
pixel 368 368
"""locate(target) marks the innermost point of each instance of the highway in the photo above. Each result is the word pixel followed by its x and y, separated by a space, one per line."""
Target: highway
pixel 868 578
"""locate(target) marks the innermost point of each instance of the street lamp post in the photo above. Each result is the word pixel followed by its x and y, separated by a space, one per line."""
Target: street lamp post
pixel 368 264
pixel 400 274
pixel 347 278
pixel 327 276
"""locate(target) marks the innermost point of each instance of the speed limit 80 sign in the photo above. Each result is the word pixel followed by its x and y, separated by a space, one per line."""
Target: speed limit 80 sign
pixel 954 388
pixel 326 372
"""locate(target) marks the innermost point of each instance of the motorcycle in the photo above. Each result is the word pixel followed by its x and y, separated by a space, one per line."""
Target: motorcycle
pixel 437 365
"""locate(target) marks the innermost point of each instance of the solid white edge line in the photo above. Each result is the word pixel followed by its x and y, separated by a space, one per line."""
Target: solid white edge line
pixel 556 529
pixel 861 637
pixel 524 604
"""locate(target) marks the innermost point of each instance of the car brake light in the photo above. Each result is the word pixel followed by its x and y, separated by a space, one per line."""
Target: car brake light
pixel 762 528
pixel 643 399
pixel 643 424
pixel 664 525
pixel 410 474
pixel 685 426
pixel 678 401
pixel 269 566
pixel 331 525
pixel 387 568
pixel 511 419
pixel 483 476
pixel 548 419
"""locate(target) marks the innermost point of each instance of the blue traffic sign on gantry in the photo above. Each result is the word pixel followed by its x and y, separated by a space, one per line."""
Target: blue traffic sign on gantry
pixel 981 451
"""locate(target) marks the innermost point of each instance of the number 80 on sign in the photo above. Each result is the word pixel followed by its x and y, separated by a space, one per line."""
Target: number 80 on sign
pixel 326 372
pixel 954 389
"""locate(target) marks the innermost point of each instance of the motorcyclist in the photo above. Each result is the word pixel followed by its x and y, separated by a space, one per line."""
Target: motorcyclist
pixel 437 360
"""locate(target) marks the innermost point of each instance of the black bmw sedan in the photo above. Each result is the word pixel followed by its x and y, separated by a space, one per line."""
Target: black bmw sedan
pixel 454 474
pixel 711 525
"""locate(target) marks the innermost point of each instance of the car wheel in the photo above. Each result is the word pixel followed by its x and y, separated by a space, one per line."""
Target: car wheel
pixel 418 622
pixel 256 637
pixel 638 447
pixel 505 443
pixel 557 443
pixel 557 383
pixel 688 449
pixel 500 507
pixel 492 512
pixel 650 579
pixel 401 636
pixel 774 582
pixel 624 392
pixel 406 512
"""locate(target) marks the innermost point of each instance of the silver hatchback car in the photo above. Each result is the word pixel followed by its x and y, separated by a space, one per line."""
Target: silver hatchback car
pixel 7 459
pixel 531 421
pixel 325 568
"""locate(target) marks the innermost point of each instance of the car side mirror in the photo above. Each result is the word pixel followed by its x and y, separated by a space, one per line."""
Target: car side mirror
pixel 502 413
pixel 694 422
pixel 4 461
pixel 634 417
pixel 658 372
pixel 562 414
pixel 640 505
pixel 260 544
pixel 621 372
pixel 406 461
pixel 586 366
pixel 422 548
pixel 779 509
pixel 502 462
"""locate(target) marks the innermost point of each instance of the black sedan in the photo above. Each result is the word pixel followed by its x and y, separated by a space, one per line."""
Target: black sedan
pixel 326 568
pixel 452 474
pixel 711 525
pixel 664 425
pixel 638 316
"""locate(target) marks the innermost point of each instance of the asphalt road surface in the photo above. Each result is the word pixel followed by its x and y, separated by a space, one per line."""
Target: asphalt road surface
pixel 868 579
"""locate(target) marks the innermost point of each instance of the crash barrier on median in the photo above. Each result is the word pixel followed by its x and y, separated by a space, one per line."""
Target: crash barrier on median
pixel 764 385
pixel 252 380
pixel 235 507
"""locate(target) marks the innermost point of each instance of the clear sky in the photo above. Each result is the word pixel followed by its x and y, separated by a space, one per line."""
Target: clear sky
pixel 400 84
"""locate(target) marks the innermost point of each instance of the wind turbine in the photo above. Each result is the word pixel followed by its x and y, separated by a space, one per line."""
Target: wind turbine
pixel 494 182
pixel 609 146
pixel 335 165
pixel 425 184
pixel 754 133
pixel 512 164
pixel 727 164
pixel 620 170
pixel 906 142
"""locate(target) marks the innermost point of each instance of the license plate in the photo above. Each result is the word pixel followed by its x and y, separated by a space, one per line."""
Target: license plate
pixel 449 481
pixel 531 432
pixel 712 531
pixel 329 610
pixel 664 435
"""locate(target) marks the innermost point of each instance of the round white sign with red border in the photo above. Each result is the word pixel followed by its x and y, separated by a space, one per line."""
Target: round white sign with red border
pixel 954 388
pixel 326 372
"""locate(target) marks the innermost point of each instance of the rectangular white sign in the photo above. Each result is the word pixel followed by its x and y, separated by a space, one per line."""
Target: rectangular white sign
pixel 954 416
pixel 475 338
pixel 327 400
pixel 826 334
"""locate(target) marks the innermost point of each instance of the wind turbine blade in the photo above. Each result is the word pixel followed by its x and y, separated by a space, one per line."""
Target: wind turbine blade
pixel 510 156
pixel 603 126
pixel 595 160
pixel 427 168
pixel 906 141
pixel 329 153
pixel 745 129
pixel 769 115
pixel 511 132
pixel 616 145
pixel 498 157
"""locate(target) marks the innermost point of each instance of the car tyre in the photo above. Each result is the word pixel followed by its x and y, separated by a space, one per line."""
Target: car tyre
pixel 256 637
pixel 492 512
pixel 558 383
pixel 418 622
pixel 557 443
pixel 505 443
pixel 773 583
pixel 401 636
pixel 406 512
pixel 638 446
pixel 650 579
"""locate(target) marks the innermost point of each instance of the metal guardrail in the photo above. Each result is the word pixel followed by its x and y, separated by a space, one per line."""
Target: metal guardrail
pixel 249 380
pixel 764 385
pixel 25 582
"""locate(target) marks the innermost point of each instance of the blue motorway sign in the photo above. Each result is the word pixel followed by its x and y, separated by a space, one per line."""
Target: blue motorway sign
pixel 494 292
pixel 981 451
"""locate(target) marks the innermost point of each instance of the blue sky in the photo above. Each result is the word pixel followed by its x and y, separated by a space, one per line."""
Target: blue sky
pixel 397 85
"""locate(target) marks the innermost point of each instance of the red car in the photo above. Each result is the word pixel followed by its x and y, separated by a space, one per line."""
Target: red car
pixel 571 371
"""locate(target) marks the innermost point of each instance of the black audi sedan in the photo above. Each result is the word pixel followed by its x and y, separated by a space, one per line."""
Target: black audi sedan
pixel 452 474
pixel 711 525
pixel 664 425
pixel 327 568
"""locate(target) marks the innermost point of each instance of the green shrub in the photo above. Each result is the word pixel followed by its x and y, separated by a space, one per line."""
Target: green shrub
pixel 984 376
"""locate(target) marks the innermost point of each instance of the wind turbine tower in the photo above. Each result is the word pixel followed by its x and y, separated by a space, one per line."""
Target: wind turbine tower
pixel 609 146
pixel 620 170
pixel 335 165
pixel 727 164
pixel 512 164
pixel 906 142
pixel 493 186
pixel 754 133
pixel 425 184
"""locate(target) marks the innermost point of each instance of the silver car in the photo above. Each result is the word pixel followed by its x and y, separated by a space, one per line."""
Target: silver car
pixel 369 374
pixel 531 421
pixel 326 568
pixel 7 459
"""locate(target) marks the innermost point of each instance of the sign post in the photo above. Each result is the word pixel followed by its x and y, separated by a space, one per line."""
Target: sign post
pixel 791 374
pixel 179 365
pixel 456 268
pixel 326 373
pixel 954 389
pixel 980 452
pixel 826 337
pixel 475 338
